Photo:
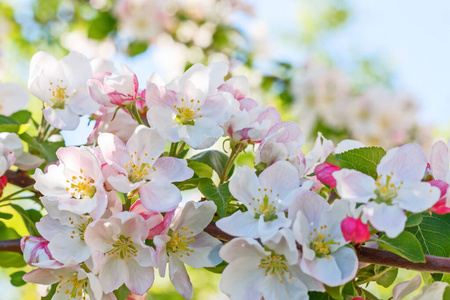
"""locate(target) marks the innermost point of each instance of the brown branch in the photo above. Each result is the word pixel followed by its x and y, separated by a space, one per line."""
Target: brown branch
pixel 11 246
pixel 19 178
pixel 433 264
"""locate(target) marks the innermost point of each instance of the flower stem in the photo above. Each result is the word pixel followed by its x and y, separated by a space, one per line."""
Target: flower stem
pixel 236 149
pixel 10 196
pixel 183 144
pixel 132 109
pixel 127 202
pixel 173 149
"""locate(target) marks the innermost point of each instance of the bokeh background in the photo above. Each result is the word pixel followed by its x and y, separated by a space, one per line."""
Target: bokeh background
pixel 374 70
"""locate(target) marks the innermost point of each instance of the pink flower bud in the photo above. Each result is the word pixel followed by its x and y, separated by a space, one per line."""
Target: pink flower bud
pixel 355 230
pixel 324 172
pixel 3 183
pixel 159 224
pixel 36 253
pixel 440 207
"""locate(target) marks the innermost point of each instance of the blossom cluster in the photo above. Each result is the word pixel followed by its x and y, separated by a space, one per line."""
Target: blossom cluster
pixel 374 116
pixel 115 209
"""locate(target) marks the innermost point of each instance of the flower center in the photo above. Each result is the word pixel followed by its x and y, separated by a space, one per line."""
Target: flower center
pixel 187 111
pixel 386 191
pixel 81 227
pixel 138 171
pixel 320 244
pixel 179 242
pixel 81 186
pixel 59 95
pixel 123 248
pixel 274 264
pixel 72 287
pixel 266 208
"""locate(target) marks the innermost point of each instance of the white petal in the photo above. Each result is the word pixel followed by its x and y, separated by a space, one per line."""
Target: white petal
pixel 407 163
pixel 64 119
pixel 240 224
pixel 172 169
pixel 417 197
pixel 281 177
pixel 206 252
pixel 388 218
pixel 405 288
pixel 439 160
pixel 114 273
pixel 244 185
pixel 180 278
pixel 140 278
pixel 354 186
pixel 195 216
pixel 159 195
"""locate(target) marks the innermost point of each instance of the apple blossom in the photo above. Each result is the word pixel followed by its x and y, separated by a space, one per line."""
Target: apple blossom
pixel 76 183
pixel 186 243
pixel 122 256
pixel 398 187
pixel 36 253
pixel 139 166
pixel 256 272
pixel 266 198
pixel 324 173
pixel 190 108
pixel 65 232
pixel 114 89
pixel 316 226
pixel 24 160
pixel 73 283
pixel 62 86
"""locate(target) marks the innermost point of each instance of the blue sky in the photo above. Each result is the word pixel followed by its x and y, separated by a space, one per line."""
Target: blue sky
pixel 413 36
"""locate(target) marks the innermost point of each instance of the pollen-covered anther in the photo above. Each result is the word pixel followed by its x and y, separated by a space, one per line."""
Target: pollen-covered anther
pixel 274 264
pixel 81 187
pixel 123 248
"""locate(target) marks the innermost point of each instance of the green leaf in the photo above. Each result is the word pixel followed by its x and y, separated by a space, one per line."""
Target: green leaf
pixel 200 169
pixel 368 295
pixel 213 158
pixel 8 120
pixel 122 293
pixel 5 216
pixel 16 278
pixel 21 116
pixel 16 128
pixel 30 218
pixel 101 26
pixel 11 260
pixel 433 234
pixel 7 233
pixel 220 195
pixel 364 159
pixel 319 296
pixel 190 183
pixel 385 275
pixel 414 220
pixel 405 245
pixel 217 269
pixel 46 149
pixel 137 47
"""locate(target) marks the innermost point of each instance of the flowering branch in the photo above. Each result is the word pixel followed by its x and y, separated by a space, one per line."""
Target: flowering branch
pixel 11 246
pixel 433 264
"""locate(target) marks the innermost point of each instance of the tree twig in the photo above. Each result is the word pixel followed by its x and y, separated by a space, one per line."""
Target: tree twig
pixel 433 264
pixel 10 245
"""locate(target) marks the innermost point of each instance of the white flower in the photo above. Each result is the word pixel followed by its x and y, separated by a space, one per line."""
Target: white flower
pixel 186 243
pixel 62 86
pixel 139 166
pixel 73 283
pixel 398 187
pixel 266 198
pixel 76 183
pixel 255 272
pixel 121 254
pixel 190 108
pixel 65 232
pixel 317 228
pixel 24 160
